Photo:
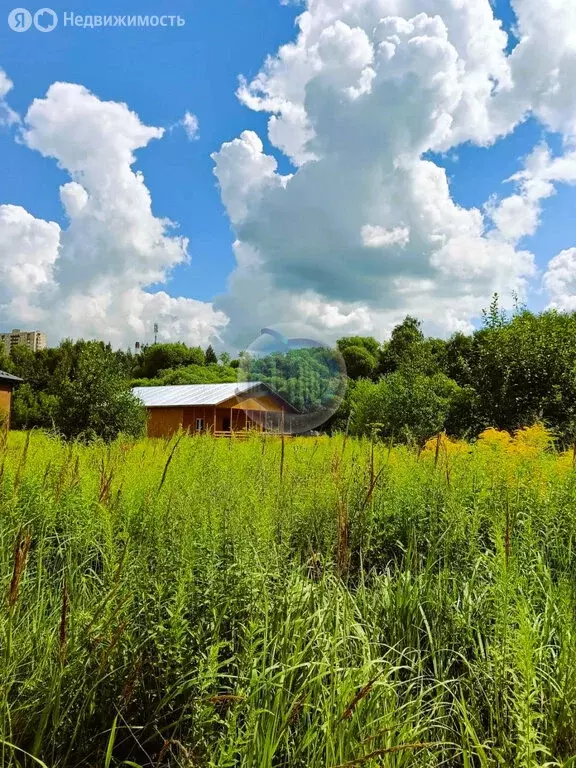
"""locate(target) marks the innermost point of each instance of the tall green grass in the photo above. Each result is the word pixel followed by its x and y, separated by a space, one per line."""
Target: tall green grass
pixel 317 603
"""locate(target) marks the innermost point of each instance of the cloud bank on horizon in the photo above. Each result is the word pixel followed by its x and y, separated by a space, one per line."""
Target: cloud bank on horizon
pixel 364 231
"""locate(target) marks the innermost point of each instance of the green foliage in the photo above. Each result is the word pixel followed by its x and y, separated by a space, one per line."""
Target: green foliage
pixel 162 357
pixel 187 603
pixel 514 371
pixel 210 357
pixel 360 363
pixel 191 374
pixel 33 408
pixel 523 369
pixel 405 408
pixel 365 342
pixel 98 401
pixel 225 359
pixel 402 349
pixel 6 364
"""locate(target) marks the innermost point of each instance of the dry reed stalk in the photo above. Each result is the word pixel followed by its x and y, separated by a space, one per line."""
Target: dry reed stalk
pixel 226 698
pixel 75 479
pixel 46 474
pixel 167 747
pixel 105 483
pixel 282 455
pixel 294 712
pixel 361 694
pixel 335 465
pixel 388 751
pixel 21 550
pixel 113 643
pixel 315 568
pixel 373 483
pixel 129 686
pixel 377 735
pixel 169 461
pixel 437 452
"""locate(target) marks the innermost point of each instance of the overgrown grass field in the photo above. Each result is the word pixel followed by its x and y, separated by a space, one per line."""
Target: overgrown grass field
pixel 307 604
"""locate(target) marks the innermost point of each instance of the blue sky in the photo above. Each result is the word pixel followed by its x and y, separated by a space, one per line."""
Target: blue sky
pixel 162 73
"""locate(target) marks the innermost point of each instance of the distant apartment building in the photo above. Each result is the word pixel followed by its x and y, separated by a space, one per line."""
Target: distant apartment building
pixel 34 340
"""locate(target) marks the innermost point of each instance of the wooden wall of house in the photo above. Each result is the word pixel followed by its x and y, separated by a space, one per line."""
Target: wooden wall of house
pixel 163 422
pixel 241 414
pixel 198 412
pixel 214 418
pixel 5 400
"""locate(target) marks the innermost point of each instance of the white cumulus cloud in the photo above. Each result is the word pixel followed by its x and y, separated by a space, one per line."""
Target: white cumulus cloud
pixel 191 125
pixel 560 280
pixel 366 228
pixel 92 277
pixel 378 237
pixel 519 214
pixel 7 114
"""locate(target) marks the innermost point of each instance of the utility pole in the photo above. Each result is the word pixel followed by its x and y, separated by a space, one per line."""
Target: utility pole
pixel 155 333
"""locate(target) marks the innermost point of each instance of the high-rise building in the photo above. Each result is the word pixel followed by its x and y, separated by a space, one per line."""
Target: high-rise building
pixel 34 340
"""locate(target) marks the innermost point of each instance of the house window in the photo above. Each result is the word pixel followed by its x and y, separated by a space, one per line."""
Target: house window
pixel 199 425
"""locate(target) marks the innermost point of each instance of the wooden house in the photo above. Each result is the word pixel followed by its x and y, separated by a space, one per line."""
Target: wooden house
pixel 7 384
pixel 220 409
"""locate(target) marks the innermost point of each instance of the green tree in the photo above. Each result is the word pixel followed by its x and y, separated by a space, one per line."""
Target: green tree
pixel 403 346
pixel 225 359
pixel 191 374
pixel 404 408
pixel 32 408
pixel 98 402
pixel 524 371
pixel 360 362
pixel 6 363
pixel 210 357
pixel 163 357
pixel 366 342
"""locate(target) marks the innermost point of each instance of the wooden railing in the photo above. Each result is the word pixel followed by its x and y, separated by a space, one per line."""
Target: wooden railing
pixel 240 435
pixel 244 434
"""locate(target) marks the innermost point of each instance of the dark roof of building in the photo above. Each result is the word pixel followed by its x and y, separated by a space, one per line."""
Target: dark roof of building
pixel 8 377
pixel 182 395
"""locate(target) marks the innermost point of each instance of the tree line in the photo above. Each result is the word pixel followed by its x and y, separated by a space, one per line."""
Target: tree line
pixel 513 371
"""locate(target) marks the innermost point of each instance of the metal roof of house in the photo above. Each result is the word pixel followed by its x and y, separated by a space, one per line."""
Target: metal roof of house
pixel 8 377
pixel 197 394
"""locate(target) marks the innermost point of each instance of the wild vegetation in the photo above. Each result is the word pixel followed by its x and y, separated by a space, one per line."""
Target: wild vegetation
pixel 305 603
pixel 514 371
